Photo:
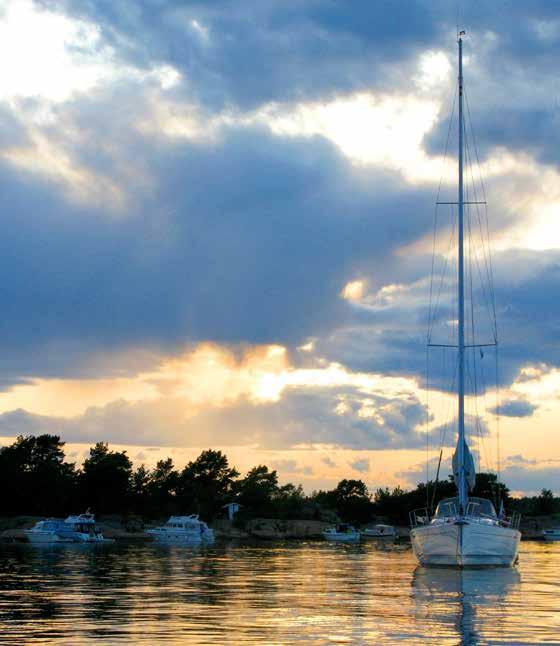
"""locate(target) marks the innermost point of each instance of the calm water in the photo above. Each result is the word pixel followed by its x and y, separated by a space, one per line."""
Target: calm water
pixel 288 593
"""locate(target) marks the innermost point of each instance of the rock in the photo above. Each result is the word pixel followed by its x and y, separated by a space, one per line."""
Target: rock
pixel 273 529
pixel 224 528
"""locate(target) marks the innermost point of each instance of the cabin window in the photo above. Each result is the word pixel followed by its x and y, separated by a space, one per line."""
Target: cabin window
pixel 446 508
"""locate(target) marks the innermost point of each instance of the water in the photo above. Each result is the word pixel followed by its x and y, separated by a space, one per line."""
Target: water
pixel 277 593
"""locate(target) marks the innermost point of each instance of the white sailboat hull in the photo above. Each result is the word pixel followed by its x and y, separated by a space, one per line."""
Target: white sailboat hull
pixel 465 544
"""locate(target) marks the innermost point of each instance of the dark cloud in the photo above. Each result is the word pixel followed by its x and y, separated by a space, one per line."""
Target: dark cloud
pixel 249 54
pixel 247 240
pixel 249 237
pixel 269 50
pixel 531 479
pixel 392 339
pixel 515 408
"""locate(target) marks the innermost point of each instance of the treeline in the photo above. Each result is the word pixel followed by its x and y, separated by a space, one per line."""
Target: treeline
pixel 36 480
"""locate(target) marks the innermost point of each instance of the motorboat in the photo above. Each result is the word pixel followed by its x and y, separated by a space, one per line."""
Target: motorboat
pixel 379 531
pixel 465 531
pixel 84 529
pixel 183 529
pixel 551 534
pixel 51 530
pixel 342 533
pixel 74 529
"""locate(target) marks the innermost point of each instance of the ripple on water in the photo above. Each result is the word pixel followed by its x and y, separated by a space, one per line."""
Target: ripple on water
pixel 274 593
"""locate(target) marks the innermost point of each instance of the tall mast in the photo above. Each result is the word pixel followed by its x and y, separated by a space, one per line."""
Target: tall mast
pixel 462 485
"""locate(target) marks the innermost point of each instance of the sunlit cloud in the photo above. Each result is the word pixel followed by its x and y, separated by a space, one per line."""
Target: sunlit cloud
pixel 110 107
pixel 52 56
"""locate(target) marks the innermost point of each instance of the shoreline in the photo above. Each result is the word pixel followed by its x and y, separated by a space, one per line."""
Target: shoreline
pixel 257 529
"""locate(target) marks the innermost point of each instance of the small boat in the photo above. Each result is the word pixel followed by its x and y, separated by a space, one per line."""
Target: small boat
pixel 379 531
pixel 51 530
pixel 74 529
pixel 551 534
pixel 183 529
pixel 342 533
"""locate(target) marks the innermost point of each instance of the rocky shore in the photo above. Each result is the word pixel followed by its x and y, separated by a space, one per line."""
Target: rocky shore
pixel 113 527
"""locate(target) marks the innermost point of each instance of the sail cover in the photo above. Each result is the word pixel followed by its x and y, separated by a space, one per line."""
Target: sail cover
pixel 470 473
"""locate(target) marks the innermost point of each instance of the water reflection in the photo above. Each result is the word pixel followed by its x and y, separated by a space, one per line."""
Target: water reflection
pixel 467 599
pixel 274 593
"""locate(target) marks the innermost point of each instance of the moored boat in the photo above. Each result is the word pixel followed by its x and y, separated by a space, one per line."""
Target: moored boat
pixel 465 531
pixel 379 531
pixel 84 528
pixel 476 537
pixel 73 529
pixel 342 533
pixel 183 529
pixel 552 534
pixel 50 530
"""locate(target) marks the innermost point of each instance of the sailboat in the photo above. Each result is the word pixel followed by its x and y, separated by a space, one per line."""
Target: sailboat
pixel 465 531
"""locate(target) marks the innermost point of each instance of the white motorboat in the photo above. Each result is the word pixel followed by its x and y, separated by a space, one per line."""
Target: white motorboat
pixel 74 529
pixel 84 529
pixel 342 533
pixel 551 534
pixel 465 531
pixel 379 531
pixel 51 530
pixel 183 529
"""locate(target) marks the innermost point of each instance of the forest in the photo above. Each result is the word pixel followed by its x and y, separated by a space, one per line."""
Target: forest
pixel 36 480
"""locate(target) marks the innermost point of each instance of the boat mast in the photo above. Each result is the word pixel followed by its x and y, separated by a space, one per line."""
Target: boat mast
pixel 462 484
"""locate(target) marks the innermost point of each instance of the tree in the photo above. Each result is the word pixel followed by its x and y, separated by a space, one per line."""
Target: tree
pixel 350 499
pixel 257 490
pixel 139 488
pixel 290 502
pixel 206 484
pixel 487 486
pixel 161 488
pixel 545 503
pixel 33 469
pixel 106 480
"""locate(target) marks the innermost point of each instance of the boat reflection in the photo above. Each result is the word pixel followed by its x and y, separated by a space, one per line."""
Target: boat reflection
pixel 468 599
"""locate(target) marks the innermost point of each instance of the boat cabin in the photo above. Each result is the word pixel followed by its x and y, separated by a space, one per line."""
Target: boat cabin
pixel 476 508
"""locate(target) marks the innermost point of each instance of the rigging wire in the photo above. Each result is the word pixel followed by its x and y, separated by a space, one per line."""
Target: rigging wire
pixel 432 311
pixel 479 263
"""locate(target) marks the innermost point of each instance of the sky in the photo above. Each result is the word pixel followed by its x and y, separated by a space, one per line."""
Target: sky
pixel 217 231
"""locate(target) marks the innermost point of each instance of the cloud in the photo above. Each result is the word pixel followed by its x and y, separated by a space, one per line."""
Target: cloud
pixel 531 479
pixel 250 54
pixel 341 416
pixel 173 259
pixel 291 467
pixel 254 54
pixel 515 408
pixel 190 263
pixel 179 196
pixel 361 465
pixel 520 460
pixel 326 460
